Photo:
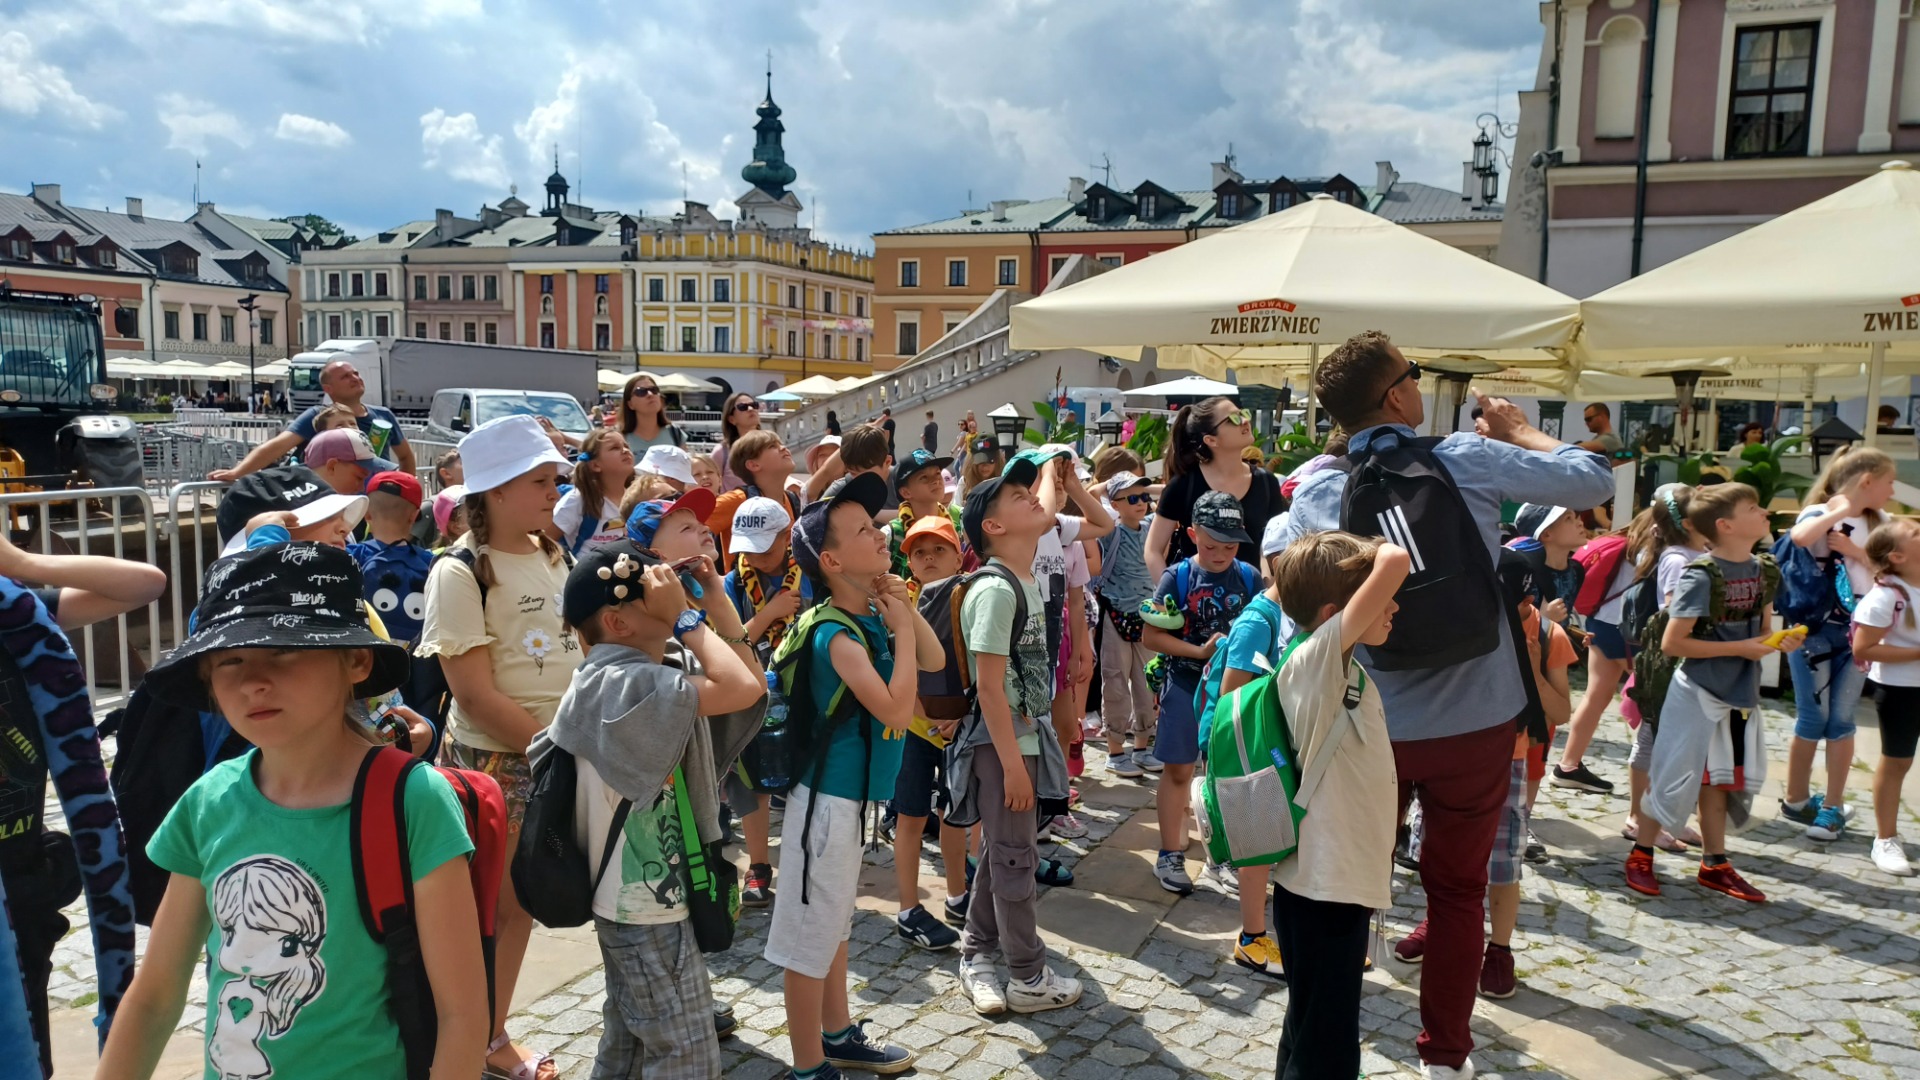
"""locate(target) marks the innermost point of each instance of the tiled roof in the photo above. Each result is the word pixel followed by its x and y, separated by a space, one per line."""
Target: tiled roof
pixel 42 225
pixel 403 236
pixel 266 230
pixel 151 233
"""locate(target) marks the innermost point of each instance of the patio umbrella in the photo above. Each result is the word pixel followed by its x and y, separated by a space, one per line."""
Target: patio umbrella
pixel 814 386
pixel 1191 386
pixel 1830 281
pixel 680 383
pixel 781 395
pixel 613 380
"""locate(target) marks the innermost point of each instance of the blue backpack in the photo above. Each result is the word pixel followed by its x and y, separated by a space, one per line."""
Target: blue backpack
pixel 1810 592
pixel 1206 696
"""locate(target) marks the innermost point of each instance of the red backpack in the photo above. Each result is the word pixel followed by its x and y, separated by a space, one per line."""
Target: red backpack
pixel 383 882
pixel 1600 558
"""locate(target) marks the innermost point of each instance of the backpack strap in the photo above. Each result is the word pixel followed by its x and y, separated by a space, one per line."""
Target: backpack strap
pixel 589 524
pixel 467 558
pixel 1182 581
pixel 382 864
pixel 1250 578
pixel 613 839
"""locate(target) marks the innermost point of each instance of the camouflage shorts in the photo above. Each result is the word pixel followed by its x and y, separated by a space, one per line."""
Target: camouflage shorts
pixel 510 770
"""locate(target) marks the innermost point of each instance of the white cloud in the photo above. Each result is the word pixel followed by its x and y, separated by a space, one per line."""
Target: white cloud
pixel 191 124
pixel 312 21
pixel 306 129
pixel 454 145
pixel 30 85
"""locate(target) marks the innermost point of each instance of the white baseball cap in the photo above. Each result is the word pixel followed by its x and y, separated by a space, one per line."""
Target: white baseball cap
pixel 669 461
pixel 1274 540
pixel 1119 482
pixel 504 449
pixel 757 525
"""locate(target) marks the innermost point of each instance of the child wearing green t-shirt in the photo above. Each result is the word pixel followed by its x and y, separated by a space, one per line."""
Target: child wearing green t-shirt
pixel 260 848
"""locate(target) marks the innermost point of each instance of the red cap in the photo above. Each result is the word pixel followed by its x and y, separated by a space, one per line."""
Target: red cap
pixel 397 483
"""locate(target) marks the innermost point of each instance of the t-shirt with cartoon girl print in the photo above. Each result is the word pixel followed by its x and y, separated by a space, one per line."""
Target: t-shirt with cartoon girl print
pixel 295 986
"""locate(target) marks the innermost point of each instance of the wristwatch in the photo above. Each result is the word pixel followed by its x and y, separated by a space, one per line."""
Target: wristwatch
pixel 687 622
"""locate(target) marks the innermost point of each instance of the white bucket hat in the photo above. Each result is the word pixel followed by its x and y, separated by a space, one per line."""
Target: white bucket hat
pixel 671 462
pixel 505 448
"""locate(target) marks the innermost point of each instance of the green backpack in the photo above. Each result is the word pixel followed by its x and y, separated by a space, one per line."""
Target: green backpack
pixel 1252 777
pixel 1653 669
pixel 791 749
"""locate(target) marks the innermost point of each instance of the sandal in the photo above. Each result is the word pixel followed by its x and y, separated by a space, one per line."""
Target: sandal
pixel 530 1069
pixel 1667 842
pixel 1051 872
pixel 1688 835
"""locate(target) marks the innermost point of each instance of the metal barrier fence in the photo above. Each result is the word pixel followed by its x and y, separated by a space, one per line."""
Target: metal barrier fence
pixel 171 456
pixel 201 513
pixel 91 534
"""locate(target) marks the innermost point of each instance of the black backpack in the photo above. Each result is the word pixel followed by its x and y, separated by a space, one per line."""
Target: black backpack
pixel 549 866
pixel 1450 604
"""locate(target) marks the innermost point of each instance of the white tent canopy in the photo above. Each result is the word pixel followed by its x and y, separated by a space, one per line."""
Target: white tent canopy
pixel 677 382
pixel 1318 273
pixel 814 386
pixel 1191 386
pixel 613 380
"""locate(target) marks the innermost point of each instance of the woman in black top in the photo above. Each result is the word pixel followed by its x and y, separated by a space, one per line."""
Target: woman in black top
pixel 833 423
pixel 1203 454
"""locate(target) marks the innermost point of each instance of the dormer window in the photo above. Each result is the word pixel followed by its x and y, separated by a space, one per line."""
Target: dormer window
pixel 627 232
pixel 1097 208
pixel 1230 205
pixel 105 257
pixel 20 250
pixel 1282 200
pixel 1149 207
pixel 63 252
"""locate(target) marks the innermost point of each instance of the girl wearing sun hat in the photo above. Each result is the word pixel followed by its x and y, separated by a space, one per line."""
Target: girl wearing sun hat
pixel 260 847
pixel 493 618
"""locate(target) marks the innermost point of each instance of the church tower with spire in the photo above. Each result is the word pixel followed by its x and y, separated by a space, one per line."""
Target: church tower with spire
pixel 768 201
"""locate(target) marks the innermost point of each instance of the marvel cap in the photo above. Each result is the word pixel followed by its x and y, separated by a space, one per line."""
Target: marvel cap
pixel 1218 514
pixel 938 526
pixel 1534 519
pixel 810 533
pixel 645 520
pixel 913 463
pixel 1022 470
pixel 606 575
pixel 757 526
pixel 340 444
pixel 293 488
pixel 402 484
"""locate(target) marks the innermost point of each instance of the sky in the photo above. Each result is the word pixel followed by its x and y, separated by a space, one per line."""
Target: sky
pixel 376 112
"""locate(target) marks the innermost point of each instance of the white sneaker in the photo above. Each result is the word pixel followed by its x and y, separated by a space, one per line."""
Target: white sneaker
pixel 1171 869
pixel 1888 855
pixel 1221 878
pixel 1067 827
pixel 1124 766
pixel 1445 1072
pixel 982 984
pixel 1146 760
pixel 1054 992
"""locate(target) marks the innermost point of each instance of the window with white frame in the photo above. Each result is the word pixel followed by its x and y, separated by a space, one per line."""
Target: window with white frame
pixel 956 273
pixel 1009 272
pixel 909 273
pixel 1770 103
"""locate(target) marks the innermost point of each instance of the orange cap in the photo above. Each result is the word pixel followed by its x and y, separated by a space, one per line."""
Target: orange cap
pixel 929 525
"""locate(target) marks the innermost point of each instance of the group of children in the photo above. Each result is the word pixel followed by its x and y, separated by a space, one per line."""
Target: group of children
pixel 628 614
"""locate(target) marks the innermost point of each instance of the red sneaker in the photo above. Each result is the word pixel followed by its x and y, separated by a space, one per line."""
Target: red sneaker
pixel 1413 948
pixel 1640 877
pixel 1724 879
pixel 1496 974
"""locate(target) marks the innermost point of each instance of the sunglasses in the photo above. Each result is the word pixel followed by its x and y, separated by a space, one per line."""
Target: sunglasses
pixel 1413 372
pixel 745 405
pixel 1135 500
pixel 645 391
pixel 1235 418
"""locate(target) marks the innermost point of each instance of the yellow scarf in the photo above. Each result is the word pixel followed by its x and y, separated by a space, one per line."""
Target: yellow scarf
pixel 757 594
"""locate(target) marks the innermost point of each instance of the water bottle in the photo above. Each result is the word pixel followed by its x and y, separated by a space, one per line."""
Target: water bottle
pixel 776 705
pixel 768 758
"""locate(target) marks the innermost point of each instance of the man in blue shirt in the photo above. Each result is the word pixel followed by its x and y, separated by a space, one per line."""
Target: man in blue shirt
pixel 1452 727
pixel 344 386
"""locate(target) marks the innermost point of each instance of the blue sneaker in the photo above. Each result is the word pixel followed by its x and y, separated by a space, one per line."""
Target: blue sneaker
pixel 827 1072
pixel 1828 824
pixel 1805 813
pixel 855 1052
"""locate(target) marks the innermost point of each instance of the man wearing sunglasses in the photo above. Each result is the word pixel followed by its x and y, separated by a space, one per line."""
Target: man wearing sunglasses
pixel 1451 726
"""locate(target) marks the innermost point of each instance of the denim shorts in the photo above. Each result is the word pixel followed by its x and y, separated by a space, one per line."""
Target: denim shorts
pixel 1826 685
pixel 921 786
pixel 1176 738
pixel 1606 637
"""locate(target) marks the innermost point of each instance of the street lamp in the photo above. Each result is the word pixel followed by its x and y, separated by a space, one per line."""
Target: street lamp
pixel 247 304
pixel 1107 427
pixel 1487 153
pixel 1008 423
pixel 1482 151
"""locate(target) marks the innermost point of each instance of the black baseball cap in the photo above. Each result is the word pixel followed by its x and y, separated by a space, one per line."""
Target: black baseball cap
pixel 913 463
pixel 810 532
pixel 609 574
pixel 973 516
pixel 293 488
pixel 1218 514
pixel 983 444
pixel 1517 577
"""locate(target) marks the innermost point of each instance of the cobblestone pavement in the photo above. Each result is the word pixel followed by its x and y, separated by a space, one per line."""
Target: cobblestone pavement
pixel 1823 979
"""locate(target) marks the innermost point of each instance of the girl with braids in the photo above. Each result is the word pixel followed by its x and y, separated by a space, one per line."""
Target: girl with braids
pixel 1203 454
pixel 1887 634
pixel 1845 504
pixel 740 415
pixel 602 471
pixel 643 416
pixel 493 617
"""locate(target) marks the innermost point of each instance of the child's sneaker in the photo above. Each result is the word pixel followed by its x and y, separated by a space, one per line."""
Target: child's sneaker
pixel 982 984
pixel 1640 876
pixel 1413 948
pixel 827 1072
pixel 1805 812
pixel 855 1052
pixel 1536 851
pixel 758 890
pixel 1051 992
pixel 1067 827
pixel 1171 869
pixel 922 929
pixel 1260 955
pixel 1724 879
pixel 1828 824
pixel 1124 766
pixel 1221 878
pixel 1146 760
pixel 1496 974
pixel 1581 778
pixel 1889 856
pixel 956 909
